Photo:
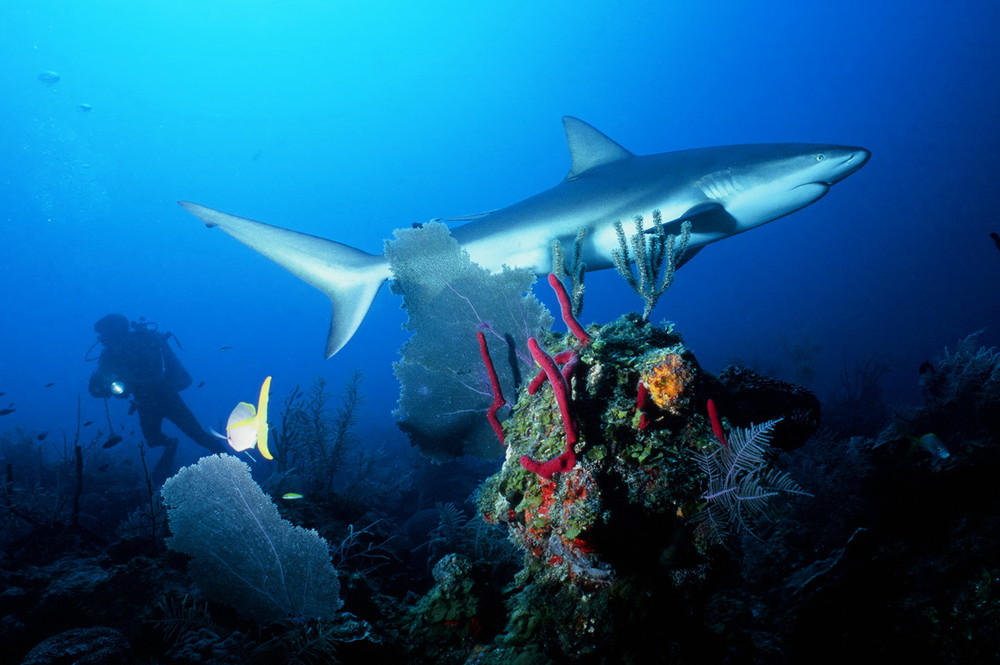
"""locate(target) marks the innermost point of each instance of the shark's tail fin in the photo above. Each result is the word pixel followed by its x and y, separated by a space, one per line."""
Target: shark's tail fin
pixel 350 277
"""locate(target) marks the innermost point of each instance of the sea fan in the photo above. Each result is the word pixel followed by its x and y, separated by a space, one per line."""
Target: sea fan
pixel 740 482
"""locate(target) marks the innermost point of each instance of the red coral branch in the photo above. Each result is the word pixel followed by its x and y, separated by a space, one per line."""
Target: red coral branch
pixel 568 357
pixel 713 417
pixel 642 402
pixel 546 470
pixel 498 400
pixel 567 460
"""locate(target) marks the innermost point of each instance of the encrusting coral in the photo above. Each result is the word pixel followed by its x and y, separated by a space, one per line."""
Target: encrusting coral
pixel 666 380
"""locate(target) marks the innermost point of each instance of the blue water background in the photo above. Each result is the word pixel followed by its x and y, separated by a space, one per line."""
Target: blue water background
pixel 347 120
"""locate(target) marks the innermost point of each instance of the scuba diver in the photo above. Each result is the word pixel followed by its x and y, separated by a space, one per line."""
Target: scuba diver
pixel 137 361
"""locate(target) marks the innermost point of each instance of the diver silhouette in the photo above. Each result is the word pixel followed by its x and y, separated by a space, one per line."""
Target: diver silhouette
pixel 137 361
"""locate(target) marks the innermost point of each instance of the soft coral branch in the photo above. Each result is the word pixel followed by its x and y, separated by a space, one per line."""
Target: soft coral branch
pixel 566 308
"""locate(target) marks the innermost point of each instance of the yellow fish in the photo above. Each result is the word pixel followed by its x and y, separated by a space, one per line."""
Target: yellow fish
pixel 247 426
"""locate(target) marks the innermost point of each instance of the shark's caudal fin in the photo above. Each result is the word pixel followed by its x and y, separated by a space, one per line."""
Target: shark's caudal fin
pixel 350 277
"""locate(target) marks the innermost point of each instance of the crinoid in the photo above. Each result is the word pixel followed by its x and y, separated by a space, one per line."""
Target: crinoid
pixel 740 483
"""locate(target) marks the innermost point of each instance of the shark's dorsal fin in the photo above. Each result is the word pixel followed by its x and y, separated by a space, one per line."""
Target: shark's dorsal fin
pixel 588 147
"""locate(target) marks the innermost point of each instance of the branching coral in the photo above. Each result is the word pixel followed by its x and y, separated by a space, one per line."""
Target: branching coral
pixel 314 437
pixel 574 271
pixel 657 257
pixel 961 391
pixel 969 370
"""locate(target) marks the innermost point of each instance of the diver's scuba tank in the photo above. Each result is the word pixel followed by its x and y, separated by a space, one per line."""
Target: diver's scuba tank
pixel 172 372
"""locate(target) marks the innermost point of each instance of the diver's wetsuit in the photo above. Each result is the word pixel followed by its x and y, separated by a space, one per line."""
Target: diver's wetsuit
pixel 155 404
pixel 147 368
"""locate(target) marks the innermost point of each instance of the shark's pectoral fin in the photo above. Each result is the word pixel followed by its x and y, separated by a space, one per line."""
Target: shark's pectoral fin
pixel 463 218
pixel 688 255
pixel 706 218
pixel 709 219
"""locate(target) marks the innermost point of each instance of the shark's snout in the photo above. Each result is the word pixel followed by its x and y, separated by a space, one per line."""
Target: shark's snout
pixel 857 158
pixel 847 161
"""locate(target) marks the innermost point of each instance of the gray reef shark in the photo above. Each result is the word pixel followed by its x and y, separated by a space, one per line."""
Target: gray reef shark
pixel 722 191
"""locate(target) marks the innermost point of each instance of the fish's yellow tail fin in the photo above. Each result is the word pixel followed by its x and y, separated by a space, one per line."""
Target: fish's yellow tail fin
pixel 262 428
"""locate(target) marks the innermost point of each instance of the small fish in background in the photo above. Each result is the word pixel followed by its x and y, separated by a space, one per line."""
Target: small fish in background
pixel 2 394
pixel 86 108
pixel 9 410
pixel 88 423
pixel 292 496
pixel 49 385
pixel 932 444
pixel 996 239
pixel 112 440
pixel 41 436
pixel 247 426
pixel 49 77
pixel 200 385
pixel 225 348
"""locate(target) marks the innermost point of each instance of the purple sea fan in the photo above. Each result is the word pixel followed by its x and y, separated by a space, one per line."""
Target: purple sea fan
pixel 740 483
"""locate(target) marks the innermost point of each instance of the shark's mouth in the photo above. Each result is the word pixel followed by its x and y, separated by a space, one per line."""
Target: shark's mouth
pixel 825 186
pixel 851 164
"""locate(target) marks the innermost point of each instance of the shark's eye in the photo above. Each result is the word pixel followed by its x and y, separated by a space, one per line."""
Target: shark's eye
pixel 820 157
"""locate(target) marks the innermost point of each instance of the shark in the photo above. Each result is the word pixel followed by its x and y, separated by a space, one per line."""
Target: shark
pixel 722 191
